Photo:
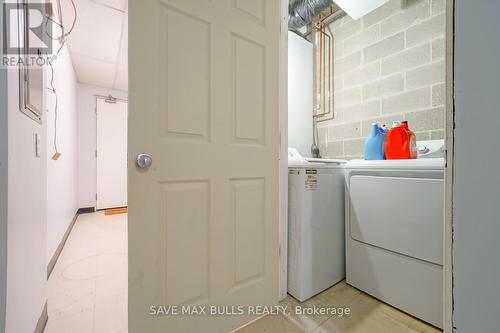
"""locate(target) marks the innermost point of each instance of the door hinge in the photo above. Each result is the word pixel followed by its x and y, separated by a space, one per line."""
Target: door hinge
pixel 96 197
pixel 96 153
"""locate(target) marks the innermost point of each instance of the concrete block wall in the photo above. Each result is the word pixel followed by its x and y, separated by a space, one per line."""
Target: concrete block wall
pixel 388 65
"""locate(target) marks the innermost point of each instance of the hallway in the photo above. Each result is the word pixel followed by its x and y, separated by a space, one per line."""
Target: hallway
pixel 88 287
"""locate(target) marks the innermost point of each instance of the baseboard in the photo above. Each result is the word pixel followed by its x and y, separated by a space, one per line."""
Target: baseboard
pixel 42 321
pixel 115 211
pixel 86 210
pixel 57 253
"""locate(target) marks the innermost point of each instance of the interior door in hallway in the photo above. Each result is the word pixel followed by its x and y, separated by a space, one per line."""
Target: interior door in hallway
pixel 111 154
pixel 204 103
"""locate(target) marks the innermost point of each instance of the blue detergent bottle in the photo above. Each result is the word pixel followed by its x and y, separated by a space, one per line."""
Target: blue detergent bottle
pixel 375 143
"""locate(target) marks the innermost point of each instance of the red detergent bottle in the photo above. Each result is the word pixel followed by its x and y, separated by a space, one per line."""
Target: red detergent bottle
pixel 400 143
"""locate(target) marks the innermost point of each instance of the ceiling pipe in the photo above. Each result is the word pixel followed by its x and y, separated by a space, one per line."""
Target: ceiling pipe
pixel 303 12
pixel 326 22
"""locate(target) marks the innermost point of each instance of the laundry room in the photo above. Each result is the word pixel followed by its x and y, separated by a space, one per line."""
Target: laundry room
pixel 367 88
pixel 249 166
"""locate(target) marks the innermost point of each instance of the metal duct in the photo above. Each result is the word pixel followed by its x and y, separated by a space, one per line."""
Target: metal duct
pixel 302 12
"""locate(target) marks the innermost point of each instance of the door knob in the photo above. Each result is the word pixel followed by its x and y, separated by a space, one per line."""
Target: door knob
pixel 144 161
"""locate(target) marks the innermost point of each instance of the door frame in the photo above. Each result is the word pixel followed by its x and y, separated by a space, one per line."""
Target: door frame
pixel 449 131
pixel 283 172
pixel 449 140
pixel 4 107
pixel 97 96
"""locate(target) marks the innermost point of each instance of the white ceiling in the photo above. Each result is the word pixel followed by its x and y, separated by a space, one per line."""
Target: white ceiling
pixel 99 42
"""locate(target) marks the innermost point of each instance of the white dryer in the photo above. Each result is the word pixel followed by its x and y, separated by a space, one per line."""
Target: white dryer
pixel 394 231
pixel 316 245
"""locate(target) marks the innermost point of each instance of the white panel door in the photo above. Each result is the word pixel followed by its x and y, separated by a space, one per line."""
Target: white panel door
pixel 203 218
pixel 111 154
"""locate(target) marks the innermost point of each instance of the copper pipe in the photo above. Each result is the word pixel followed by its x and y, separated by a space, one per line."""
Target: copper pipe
pixel 329 70
pixel 320 63
pixel 326 16
pixel 330 85
pixel 330 43
pixel 319 27
pixel 326 20
pixel 324 36
pixel 324 66
pixel 319 70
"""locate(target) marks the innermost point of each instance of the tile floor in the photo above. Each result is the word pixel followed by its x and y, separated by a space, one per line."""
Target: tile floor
pixel 88 292
pixel 367 315
pixel 88 286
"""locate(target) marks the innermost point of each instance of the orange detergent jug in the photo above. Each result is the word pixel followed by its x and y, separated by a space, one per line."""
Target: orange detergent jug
pixel 400 143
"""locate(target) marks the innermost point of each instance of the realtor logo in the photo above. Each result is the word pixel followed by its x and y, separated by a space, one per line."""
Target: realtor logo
pixel 27 28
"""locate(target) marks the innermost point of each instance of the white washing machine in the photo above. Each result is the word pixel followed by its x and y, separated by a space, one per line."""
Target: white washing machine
pixel 316 245
pixel 394 231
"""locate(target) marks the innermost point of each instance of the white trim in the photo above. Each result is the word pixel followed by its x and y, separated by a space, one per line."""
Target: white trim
pixel 283 174
pixel 3 182
pixel 448 218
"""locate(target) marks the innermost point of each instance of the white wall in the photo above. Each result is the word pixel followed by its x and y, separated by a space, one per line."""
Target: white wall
pixel 27 264
pixel 62 175
pixel 3 183
pixel 476 193
pixel 388 65
pixel 300 94
pixel 87 176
